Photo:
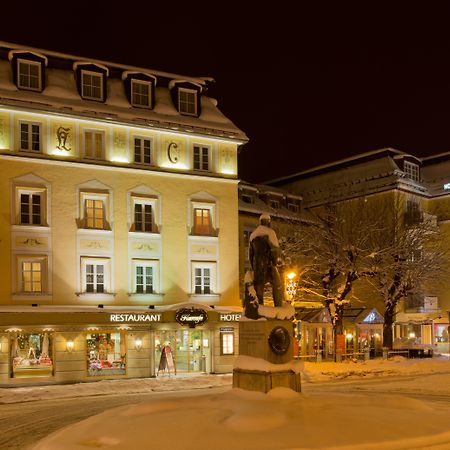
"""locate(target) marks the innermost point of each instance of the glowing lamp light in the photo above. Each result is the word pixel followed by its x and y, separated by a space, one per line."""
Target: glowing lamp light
pixel 349 336
pixel 70 345
pixel 412 335
pixel 291 275
pixel 138 344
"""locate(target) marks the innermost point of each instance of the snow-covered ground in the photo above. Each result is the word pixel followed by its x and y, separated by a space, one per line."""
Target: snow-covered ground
pixel 281 419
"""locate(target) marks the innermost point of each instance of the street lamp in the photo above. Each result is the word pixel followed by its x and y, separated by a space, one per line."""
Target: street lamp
pixel 291 285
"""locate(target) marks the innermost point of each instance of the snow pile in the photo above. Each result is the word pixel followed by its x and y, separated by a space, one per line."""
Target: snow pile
pixel 250 363
pixel 284 312
pixel 281 419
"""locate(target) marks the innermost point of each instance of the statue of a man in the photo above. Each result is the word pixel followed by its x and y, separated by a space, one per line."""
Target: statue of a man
pixel 264 255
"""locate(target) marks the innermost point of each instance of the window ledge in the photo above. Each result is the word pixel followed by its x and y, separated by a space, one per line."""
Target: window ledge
pixel 32 296
pixel 94 231
pixel 205 297
pixel 144 234
pixel 25 227
pixel 155 297
pixel 95 296
pixel 206 237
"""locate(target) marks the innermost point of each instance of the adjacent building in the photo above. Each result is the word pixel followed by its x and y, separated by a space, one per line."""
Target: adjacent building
pixel 118 221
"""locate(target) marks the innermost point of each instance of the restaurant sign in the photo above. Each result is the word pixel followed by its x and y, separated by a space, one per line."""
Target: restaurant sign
pixel 191 317
pixel 137 318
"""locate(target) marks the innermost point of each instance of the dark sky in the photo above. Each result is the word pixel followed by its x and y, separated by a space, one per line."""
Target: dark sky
pixel 308 86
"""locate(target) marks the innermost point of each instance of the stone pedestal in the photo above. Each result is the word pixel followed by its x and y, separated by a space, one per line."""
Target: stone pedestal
pixel 269 340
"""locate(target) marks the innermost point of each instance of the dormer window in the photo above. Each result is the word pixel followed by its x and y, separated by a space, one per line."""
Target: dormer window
pixel 187 101
pixel 29 75
pixel 247 198
pixel 91 85
pixel 141 94
pixel 411 170
pixel 91 80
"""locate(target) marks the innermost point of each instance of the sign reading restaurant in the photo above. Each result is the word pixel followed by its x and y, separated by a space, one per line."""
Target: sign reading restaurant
pixel 135 317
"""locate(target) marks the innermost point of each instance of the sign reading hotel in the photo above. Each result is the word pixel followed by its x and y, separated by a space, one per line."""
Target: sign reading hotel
pixel 137 318
pixel 191 317
pixel 230 317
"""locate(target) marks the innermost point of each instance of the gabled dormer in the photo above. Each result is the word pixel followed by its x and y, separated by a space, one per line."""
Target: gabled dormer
pixel 28 70
pixel 186 97
pixel 140 89
pixel 91 80
pixel 411 167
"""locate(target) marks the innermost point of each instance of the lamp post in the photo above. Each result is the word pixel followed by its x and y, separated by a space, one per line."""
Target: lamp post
pixel 290 284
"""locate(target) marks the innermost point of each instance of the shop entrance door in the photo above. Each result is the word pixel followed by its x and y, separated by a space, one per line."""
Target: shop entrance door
pixel 186 346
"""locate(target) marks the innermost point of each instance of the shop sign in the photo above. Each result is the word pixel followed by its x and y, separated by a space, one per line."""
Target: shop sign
pixel 191 317
pixel 135 318
pixel 230 317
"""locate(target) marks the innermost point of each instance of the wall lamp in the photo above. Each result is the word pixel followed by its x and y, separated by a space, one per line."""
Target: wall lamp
pixel 70 345
pixel 138 344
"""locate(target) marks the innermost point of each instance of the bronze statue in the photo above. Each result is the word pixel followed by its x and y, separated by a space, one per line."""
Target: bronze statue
pixel 264 255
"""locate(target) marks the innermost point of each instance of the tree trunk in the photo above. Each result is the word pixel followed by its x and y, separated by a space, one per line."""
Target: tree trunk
pixel 389 315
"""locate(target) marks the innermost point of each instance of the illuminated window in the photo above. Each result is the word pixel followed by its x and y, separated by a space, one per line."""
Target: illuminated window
pixel 141 93
pixel 201 158
pixel 142 150
pixel 32 274
pixel 202 221
pixel 411 170
pixel 187 101
pixel 95 275
pixel 94 209
pixel 227 343
pixel 91 85
pixel 94 146
pixel 30 137
pixel 106 354
pixel 29 75
pixel 204 277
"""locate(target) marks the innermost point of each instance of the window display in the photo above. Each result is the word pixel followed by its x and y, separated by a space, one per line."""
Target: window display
pixel 106 353
pixel 31 355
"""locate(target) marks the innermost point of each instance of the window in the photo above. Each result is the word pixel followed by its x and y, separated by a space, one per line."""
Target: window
pixel 106 354
pixel 247 198
pixel 142 150
pixel 411 170
pixel 202 221
pixel 141 93
pixel 30 137
pixel 187 101
pixel 274 204
pixel 31 207
pixel 94 211
pixel 203 277
pixel 94 144
pixel 145 273
pixel 29 75
pixel 201 158
pixel 95 275
pixel 91 85
pixel 293 207
pixel 32 272
pixel 413 214
pixel 227 343
pixel 144 212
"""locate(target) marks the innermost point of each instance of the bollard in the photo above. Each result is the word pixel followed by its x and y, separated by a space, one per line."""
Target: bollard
pixel 385 353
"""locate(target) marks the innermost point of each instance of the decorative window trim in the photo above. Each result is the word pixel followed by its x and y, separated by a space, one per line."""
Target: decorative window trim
pixel 180 103
pixel 30 63
pixel 144 200
pixel 227 348
pixel 213 288
pixel 90 195
pixel 91 73
pixel 149 84
pixel 152 153
pixel 94 132
pixel 29 149
pixel 200 166
pixel 42 192
pixel 107 280
pixel 142 262
pixel 19 284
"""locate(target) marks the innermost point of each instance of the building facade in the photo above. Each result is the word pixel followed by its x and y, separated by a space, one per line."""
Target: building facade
pixel 423 186
pixel 118 221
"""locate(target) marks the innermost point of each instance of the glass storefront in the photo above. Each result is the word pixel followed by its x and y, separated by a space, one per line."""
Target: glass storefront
pixel 441 337
pixel 186 348
pixel 31 355
pixel 106 354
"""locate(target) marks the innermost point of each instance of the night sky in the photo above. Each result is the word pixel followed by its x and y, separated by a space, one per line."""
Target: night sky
pixel 308 87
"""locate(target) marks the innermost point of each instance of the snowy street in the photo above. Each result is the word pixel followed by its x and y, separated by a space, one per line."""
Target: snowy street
pixel 414 393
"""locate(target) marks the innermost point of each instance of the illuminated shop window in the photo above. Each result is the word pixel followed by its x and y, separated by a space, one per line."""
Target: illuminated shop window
pixel 227 343
pixel 106 354
pixel 30 137
pixel 31 355
pixel 29 75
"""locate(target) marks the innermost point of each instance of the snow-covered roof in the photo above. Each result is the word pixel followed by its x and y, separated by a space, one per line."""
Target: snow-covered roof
pixel 12 53
pixel 86 63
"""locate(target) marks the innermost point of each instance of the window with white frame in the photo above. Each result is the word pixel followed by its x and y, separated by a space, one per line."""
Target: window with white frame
pixel 145 276
pixel 227 343
pixel 203 278
pixel 203 218
pixel 411 170
pixel 142 150
pixel 32 274
pixel 144 209
pixel 94 209
pixel 30 206
pixel 141 93
pixel 187 101
pixel 201 157
pixel 29 75
pixel 95 275
pixel 30 137
pixel 94 144
pixel 91 85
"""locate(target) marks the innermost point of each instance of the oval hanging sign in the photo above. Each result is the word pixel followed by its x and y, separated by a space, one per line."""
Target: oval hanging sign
pixel 191 317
